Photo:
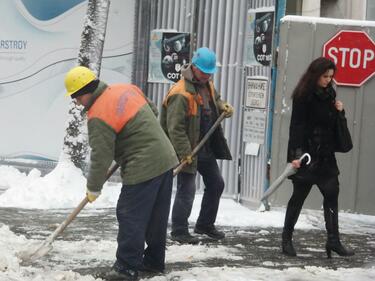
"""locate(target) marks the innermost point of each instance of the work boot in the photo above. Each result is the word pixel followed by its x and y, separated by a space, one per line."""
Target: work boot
pixel 287 245
pixel 333 237
pixel 151 268
pixel 185 238
pixel 210 231
pixel 125 275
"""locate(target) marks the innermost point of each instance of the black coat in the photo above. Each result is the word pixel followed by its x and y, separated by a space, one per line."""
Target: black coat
pixel 312 128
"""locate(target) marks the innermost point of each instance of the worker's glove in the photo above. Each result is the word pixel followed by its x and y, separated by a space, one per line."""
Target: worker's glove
pixel 92 196
pixel 227 109
pixel 188 159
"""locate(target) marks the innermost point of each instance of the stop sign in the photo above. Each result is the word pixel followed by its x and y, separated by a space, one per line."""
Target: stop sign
pixel 354 55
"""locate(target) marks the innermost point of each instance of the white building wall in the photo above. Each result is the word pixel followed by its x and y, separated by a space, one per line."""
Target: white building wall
pixel 343 9
pixel 311 8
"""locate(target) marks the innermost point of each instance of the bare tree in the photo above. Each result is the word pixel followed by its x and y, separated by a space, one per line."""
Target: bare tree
pixel 90 55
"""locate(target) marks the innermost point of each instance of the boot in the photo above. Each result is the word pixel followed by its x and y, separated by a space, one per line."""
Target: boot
pixel 287 244
pixel 291 217
pixel 333 237
pixel 334 244
pixel 184 238
pixel 120 273
pixel 210 231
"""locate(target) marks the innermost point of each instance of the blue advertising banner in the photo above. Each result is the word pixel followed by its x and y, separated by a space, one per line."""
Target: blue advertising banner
pixel 39 43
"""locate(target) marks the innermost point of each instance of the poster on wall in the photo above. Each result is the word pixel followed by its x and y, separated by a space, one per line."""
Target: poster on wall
pixel 256 92
pixel 39 43
pixel 169 51
pixel 254 125
pixel 259 34
pixel 255 111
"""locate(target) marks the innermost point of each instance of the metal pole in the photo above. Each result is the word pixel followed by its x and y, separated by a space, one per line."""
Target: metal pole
pixel 194 26
pixel 280 12
pixel 142 28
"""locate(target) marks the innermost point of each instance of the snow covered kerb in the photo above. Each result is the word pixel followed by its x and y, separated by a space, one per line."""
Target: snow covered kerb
pixel 334 21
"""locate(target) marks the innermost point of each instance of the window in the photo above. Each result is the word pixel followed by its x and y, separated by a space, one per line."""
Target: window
pixel 370 10
pixel 293 7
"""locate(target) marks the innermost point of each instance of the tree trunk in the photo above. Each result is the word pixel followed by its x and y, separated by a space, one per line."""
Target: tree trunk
pixel 90 55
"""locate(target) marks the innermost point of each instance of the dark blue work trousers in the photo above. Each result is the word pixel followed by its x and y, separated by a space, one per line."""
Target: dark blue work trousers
pixel 214 186
pixel 142 213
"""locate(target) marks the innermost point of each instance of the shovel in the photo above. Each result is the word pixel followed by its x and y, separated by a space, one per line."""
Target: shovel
pixel 200 144
pixel 289 170
pixel 34 253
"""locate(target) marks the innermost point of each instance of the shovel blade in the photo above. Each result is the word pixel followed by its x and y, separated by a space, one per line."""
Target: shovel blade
pixel 34 252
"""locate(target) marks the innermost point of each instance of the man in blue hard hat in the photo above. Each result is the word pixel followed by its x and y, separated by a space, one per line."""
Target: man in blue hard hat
pixel 189 110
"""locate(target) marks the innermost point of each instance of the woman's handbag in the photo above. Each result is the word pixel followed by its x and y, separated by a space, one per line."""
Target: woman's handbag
pixel 343 140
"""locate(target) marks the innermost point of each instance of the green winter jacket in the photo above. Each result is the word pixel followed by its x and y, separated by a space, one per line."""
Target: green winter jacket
pixel 180 119
pixel 123 127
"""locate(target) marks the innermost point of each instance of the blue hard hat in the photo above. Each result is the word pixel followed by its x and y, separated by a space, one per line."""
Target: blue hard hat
pixel 205 60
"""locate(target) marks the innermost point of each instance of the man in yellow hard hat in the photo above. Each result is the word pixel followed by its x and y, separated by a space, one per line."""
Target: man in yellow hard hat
pixel 189 111
pixel 123 127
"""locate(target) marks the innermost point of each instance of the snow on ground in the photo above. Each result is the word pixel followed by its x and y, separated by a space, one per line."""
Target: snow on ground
pixel 263 274
pixel 70 253
pixel 65 188
pixel 184 253
pixel 11 270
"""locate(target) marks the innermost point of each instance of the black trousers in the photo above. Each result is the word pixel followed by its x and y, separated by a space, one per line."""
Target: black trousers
pixel 214 186
pixel 328 186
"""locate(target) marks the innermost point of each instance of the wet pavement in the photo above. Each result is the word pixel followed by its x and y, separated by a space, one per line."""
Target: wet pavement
pixel 256 247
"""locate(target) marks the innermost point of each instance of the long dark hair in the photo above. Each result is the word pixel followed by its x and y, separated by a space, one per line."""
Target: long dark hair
pixel 309 80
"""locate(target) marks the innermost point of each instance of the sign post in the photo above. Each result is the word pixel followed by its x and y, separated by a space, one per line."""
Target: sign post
pixel 255 113
pixel 353 52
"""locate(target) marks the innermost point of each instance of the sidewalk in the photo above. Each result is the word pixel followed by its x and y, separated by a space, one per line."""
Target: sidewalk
pixel 88 246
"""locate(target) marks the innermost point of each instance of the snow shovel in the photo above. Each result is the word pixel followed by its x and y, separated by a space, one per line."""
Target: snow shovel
pixel 36 252
pixel 200 144
pixel 40 251
pixel 289 170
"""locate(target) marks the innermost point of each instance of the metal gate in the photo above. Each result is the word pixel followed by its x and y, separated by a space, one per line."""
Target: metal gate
pixel 219 25
pixel 356 167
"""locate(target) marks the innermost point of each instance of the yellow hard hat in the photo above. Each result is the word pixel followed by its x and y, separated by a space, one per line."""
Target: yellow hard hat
pixel 77 78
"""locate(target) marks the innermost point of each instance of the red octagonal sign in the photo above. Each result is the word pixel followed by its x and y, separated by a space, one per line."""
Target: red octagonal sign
pixel 354 55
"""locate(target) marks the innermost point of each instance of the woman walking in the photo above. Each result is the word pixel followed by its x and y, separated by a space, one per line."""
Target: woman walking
pixel 312 129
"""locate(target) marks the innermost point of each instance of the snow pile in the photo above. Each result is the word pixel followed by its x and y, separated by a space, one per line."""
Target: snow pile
pixel 33 274
pixel 244 217
pixel 64 187
pixel 191 253
pixel 9 176
pixel 10 268
pixel 310 273
pixel 84 253
pixel 363 223
pixel 75 253
pixel 9 245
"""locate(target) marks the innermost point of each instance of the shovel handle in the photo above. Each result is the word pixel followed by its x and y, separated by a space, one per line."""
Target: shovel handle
pixel 76 211
pixel 67 221
pixel 111 171
pixel 200 144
